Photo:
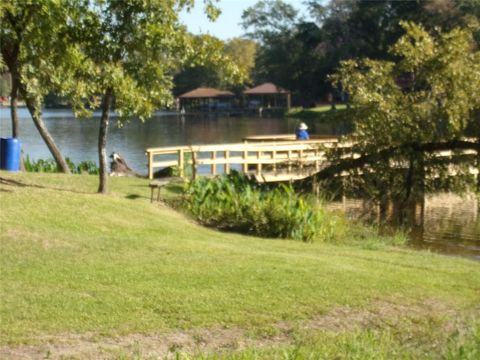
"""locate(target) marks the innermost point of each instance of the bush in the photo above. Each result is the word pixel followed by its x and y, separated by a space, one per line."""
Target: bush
pixel 50 166
pixel 232 203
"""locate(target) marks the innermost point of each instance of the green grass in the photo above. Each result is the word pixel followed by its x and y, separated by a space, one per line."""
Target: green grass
pixel 319 112
pixel 73 262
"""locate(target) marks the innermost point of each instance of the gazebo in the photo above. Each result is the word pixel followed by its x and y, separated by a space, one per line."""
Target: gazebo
pixel 268 95
pixel 206 99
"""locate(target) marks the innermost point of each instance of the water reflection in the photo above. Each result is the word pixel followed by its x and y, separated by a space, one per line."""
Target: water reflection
pixel 445 223
pixel 77 138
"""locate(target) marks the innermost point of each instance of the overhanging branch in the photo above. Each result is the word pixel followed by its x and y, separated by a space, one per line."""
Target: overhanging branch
pixel 350 164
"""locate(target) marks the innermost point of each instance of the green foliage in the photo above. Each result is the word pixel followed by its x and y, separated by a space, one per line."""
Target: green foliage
pixel 242 52
pixel 239 60
pixel 321 113
pixel 232 203
pixel 50 166
pixel 428 96
pixel 465 346
pixel 298 53
pixel 5 83
pixel 88 167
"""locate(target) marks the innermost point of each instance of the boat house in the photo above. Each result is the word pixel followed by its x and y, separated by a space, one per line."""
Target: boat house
pixel 267 96
pixel 206 100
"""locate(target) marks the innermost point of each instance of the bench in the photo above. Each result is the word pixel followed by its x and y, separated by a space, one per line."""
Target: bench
pixel 159 184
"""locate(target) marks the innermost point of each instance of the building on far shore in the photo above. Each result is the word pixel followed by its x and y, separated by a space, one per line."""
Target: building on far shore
pixel 206 100
pixel 267 96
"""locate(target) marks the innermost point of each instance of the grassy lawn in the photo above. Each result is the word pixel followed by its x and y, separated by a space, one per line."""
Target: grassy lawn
pixel 85 275
pixel 319 112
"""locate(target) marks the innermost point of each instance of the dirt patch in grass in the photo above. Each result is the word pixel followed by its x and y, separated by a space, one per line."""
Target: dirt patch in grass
pixel 379 315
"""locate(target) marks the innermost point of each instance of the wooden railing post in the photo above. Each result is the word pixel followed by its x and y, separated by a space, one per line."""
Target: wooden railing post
pixel 259 164
pixel 150 165
pixel 181 163
pixel 194 165
pixel 226 167
pixel 274 158
pixel 245 164
pixel 214 163
pixel 289 168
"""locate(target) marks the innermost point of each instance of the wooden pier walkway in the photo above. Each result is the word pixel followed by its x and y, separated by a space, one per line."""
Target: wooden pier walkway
pixel 267 158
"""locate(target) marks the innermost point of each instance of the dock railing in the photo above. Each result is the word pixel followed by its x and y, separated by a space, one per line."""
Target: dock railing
pixel 267 160
pixel 267 157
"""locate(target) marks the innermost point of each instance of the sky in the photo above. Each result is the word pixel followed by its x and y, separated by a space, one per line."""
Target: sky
pixel 227 25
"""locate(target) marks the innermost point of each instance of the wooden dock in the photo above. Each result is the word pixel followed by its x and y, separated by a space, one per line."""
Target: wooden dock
pixel 283 159
pixel 267 158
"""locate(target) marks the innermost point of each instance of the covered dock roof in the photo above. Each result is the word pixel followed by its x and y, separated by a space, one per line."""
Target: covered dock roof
pixel 266 89
pixel 206 93
pixel 268 95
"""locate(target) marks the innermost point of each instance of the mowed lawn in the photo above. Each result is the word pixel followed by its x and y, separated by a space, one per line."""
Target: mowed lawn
pixel 75 264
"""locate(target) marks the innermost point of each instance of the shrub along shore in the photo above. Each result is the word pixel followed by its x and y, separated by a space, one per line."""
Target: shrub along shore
pixel 85 275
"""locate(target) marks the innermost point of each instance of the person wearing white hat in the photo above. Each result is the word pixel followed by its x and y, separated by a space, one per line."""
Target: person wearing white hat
pixel 301 132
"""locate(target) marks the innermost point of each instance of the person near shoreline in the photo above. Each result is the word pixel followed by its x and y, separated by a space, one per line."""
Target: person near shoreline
pixel 301 132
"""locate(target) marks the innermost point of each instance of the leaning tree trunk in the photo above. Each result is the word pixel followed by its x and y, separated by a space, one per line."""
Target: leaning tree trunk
pixel 44 133
pixel 13 108
pixel 102 142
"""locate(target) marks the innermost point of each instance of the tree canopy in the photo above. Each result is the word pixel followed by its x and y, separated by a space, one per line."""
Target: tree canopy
pixel 194 74
pixel 404 111
pixel 299 52
pixel 131 50
pixel 38 52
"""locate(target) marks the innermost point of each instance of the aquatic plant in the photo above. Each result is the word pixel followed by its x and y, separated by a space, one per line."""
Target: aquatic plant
pixel 231 202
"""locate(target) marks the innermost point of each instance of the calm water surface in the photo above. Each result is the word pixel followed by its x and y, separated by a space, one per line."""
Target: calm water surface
pixel 77 138
pixel 447 223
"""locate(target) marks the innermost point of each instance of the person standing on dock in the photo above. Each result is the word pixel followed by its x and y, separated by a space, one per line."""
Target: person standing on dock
pixel 301 132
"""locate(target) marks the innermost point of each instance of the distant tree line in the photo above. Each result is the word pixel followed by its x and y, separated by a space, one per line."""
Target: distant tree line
pixel 298 51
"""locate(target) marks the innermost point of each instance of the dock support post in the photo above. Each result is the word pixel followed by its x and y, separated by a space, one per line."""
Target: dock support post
pixel 194 165
pixel 150 165
pixel 181 164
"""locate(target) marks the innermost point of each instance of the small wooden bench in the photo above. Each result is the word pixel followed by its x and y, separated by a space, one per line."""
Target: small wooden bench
pixel 158 184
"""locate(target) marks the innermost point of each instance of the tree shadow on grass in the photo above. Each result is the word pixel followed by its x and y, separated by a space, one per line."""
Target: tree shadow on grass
pixel 134 197
pixel 10 182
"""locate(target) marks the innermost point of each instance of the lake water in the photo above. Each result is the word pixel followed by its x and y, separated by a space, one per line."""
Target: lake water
pixel 77 138
pixel 447 223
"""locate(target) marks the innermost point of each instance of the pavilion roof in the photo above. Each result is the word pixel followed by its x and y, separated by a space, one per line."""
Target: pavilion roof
pixel 206 93
pixel 266 89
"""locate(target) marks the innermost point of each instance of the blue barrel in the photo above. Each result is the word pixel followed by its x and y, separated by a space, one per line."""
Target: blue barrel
pixel 10 154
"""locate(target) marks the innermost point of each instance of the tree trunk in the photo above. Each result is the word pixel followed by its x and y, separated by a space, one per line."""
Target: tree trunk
pixel 45 134
pixel 13 107
pixel 14 115
pixel 102 141
pixel 478 165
